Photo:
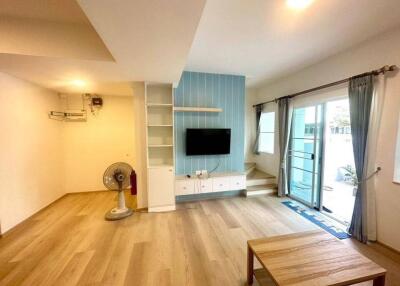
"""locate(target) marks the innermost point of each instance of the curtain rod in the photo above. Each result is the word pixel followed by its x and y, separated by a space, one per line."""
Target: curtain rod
pixel 382 70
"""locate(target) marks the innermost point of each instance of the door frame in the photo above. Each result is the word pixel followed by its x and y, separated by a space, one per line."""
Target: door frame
pixel 320 208
pixel 316 191
pixel 319 205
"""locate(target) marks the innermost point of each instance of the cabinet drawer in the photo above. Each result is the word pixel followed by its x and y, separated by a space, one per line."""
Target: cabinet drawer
pixel 206 186
pixel 238 183
pixel 184 187
pixel 220 184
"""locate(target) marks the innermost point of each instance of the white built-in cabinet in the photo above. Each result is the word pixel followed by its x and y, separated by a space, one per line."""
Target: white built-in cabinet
pixel 161 189
pixel 221 182
pixel 160 147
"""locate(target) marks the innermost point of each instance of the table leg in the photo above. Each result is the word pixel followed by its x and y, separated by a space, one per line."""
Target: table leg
pixel 250 266
pixel 379 281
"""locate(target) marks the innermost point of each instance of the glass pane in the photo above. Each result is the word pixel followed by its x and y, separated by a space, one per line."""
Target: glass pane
pixel 301 154
pixel 304 122
pixel 301 163
pixel 301 184
pixel 303 146
pixel 305 141
pixel 267 122
pixel 266 143
pixel 339 181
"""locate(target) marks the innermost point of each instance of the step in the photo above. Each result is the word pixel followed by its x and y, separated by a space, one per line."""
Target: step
pixel 249 167
pixel 257 178
pixel 261 190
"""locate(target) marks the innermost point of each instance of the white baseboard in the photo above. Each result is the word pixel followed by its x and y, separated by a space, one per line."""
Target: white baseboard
pixel 260 192
pixel 161 209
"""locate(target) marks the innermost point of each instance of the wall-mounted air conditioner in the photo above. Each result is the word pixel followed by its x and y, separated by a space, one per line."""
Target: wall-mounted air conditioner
pixel 70 115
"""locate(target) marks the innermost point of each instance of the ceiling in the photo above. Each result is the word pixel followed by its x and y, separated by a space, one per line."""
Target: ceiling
pixel 106 44
pixel 65 11
pixel 267 40
pixel 58 74
pixel 110 44
pixel 149 39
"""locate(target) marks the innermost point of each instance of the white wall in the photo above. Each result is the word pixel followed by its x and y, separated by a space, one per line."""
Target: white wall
pixel 370 55
pixel 42 159
pixel 31 173
pixel 91 146
pixel 114 134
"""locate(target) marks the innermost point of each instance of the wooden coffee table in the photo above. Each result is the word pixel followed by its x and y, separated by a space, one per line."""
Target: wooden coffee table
pixel 311 258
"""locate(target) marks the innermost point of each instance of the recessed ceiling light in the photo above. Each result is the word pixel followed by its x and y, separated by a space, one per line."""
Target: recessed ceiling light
pixel 78 82
pixel 298 4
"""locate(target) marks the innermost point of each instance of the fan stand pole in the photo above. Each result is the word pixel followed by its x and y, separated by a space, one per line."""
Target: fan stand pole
pixel 121 200
pixel 121 211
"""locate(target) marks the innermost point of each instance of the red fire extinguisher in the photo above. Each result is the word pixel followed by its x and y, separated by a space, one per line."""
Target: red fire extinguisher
pixel 133 183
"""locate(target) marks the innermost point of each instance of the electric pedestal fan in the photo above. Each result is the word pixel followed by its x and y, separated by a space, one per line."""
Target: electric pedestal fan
pixel 117 178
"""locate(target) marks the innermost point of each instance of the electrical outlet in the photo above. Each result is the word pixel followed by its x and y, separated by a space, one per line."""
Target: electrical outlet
pixel 198 173
pixel 204 172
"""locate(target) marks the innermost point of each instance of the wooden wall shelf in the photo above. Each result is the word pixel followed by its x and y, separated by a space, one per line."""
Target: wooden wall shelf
pixel 159 104
pixel 196 109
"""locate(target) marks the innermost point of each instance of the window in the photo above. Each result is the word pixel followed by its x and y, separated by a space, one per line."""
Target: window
pixel 396 177
pixel 267 132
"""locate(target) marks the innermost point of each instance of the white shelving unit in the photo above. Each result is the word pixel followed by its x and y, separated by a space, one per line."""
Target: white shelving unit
pixel 160 146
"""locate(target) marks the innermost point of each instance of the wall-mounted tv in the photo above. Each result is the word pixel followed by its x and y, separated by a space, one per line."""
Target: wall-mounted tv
pixel 208 141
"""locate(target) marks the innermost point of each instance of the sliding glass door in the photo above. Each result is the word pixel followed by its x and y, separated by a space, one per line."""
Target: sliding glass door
pixel 339 178
pixel 305 154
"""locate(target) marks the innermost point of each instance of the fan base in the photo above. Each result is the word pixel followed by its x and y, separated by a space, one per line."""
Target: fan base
pixel 116 214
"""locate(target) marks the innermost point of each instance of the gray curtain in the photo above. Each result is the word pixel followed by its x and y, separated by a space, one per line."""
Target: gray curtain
pixel 259 109
pixel 284 121
pixel 360 98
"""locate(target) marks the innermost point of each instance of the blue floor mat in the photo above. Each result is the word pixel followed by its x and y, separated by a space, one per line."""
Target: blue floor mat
pixel 317 219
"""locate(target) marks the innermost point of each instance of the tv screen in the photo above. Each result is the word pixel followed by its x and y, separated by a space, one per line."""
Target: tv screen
pixel 201 141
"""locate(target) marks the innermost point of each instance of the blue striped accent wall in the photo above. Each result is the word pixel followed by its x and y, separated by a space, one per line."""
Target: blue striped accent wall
pixel 210 90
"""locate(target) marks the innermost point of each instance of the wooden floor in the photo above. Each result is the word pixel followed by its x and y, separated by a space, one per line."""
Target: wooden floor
pixel 202 243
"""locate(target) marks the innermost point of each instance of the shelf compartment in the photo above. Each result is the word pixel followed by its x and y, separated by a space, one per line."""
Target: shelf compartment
pixel 160 156
pixel 161 166
pixel 160 136
pixel 159 94
pixel 159 116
